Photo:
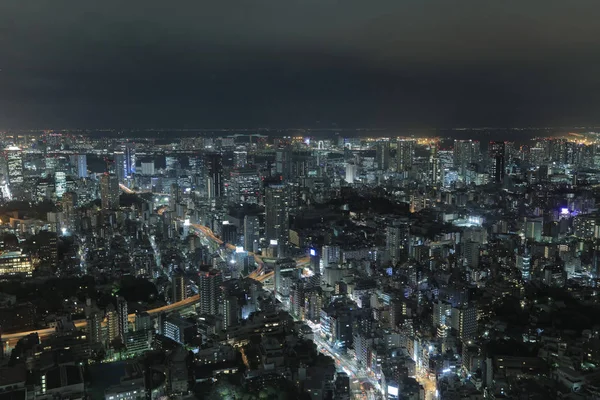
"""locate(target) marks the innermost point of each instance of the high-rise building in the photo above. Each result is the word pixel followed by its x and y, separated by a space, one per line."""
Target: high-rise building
pixel 214 169
pixel 79 163
pixel 94 327
pixel 112 323
pixel 496 153
pixel 148 168
pixel 179 289
pixel 60 183
pixel 209 289
pixel 109 191
pixel 230 311
pixel 524 265
pixel 405 149
pixel 435 170
pixel 464 320
pixel 119 166
pixel 275 214
pixel 351 172
pixel 397 240
pixel 14 158
pixel 471 254
pixel 283 163
pixel 129 150
pixel 251 233
pixel 69 202
pixel 123 318
pixel 466 153
pixel 382 156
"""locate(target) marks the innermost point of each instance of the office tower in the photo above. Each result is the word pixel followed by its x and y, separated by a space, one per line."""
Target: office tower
pixel 435 171
pixel 230 311
pixel 464 320
pixel 496 153
pixel 251 233
pixel 330 254
pixel 283 163
pixel 244 186
pixel 129 150
pixel 60 183
pixel 69 202
pixel 471 254
pixel 351 172
pixel 79 163
pixel 404 154
pixel 94 327
pixel 466 153
pixel 123 318
pixel 229 233
pixel 119 166
pixel 285 274
pixel 112 323
pixel 209 289
pixel 214 169
pixel 442 313
pixel 148 168
pixel 397 240
pixel 382 156
pixel 14 158
pixel 524 265
pixel 275 214
pixel 109 191
pixel 143 321
pixel 533 228
pixel 179 288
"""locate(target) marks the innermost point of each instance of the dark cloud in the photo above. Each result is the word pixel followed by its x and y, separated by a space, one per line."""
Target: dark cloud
pixel 294 62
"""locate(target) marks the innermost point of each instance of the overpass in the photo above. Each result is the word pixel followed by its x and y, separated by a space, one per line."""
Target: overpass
pixel 10 339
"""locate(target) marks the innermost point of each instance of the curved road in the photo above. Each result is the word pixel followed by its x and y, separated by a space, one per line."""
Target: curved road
pixel 11 339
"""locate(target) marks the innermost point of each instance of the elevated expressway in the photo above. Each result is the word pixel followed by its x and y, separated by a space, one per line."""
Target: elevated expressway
pixel 9 340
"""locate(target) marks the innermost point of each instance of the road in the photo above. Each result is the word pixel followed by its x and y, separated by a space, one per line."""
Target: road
pixel 11 339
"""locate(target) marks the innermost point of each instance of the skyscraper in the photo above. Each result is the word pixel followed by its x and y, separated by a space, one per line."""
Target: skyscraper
pixel 119 166
pixel 275 214
pixel 14 158
pixel 210 291
pixel 404 154
pixel 123 318
pixel 497 159
pixel 129 150
pixel 109 191
pixel 466 152
pixel 251 233
pixel 214 169
pixel 382 156
pixel 179 290
pixel 397 240
pixel 79 163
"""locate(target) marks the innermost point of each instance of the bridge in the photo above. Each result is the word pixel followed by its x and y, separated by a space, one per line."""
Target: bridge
pixel 10 339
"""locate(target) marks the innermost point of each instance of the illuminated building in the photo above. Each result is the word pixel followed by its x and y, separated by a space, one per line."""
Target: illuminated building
pixel 230 311
pixel 496 153
pixel 351 172
pixel 275 214
pixel 397 240
pixel 119 166
pixel 405 149
pixel 251 233
pixel 60 182
pixel 123 321
pixel 209 290
pixel 524 265
pixel 148 168
pixel 179 288
pixel 382 156
pixel 79 163
pixel 15 263
pixel 466 153
pixel 245 186
pixel 214 179
pixel 109 191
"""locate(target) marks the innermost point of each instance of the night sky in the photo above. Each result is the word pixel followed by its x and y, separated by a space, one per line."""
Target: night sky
pixel 299 63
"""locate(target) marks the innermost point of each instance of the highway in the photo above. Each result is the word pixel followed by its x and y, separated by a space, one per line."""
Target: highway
pixel 11 339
